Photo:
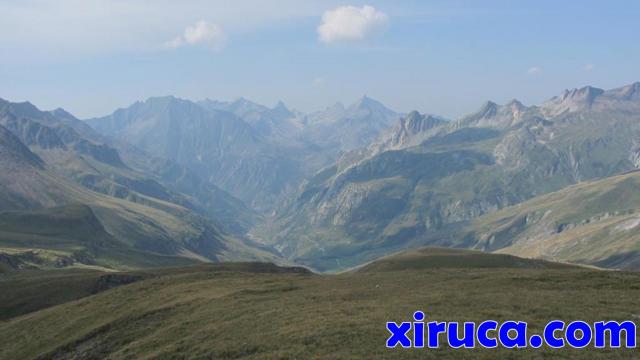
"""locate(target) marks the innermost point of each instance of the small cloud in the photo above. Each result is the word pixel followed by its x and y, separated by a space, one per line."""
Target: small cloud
pixel 204 33
pixel 201 33
pixel 319 82
pixel 350 23
pixel 589 67
pixel 535 70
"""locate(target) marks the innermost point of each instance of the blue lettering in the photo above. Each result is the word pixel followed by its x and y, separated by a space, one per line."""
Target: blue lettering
pixel 435 328
pixel 615 332
pixel 418 330
pixel 549 334
pixel 584 329
pixel 520 340
pixel 468 339
pixel 398 334
pixel 483 331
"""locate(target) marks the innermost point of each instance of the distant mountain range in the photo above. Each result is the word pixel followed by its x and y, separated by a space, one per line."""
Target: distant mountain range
pixel 425 178
pixel 258 154
pixel 330 189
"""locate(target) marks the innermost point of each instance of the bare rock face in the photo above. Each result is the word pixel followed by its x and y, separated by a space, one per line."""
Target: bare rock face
pixel 588 98
pixel 492 115
pixel 634 157
pixel 410 127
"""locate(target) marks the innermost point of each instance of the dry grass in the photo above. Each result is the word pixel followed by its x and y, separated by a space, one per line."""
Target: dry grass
pixel 254 313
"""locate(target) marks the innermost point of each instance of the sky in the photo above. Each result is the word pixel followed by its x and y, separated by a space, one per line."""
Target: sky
pixel 441 57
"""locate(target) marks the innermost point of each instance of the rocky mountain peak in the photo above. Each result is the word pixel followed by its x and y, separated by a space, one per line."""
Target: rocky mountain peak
pixel 166 99
pixel 516 108
pixel 241 101
pixel 488 109
pixel 20 109
pixel 572 100
pixel 367 103
pixel 62 113
pixel 280 105
pixel 364 100
pixel 630 91
pixel 281 111
pixel 244 102
pixel 162 102
pixel 495 116
pixel 515 104
pixel 243 106
pixel 412 116
pixel 410 129
pixel 415 122
pixel 586 94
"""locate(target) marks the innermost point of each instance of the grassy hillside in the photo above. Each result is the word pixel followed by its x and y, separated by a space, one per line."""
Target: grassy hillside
pixel 72 236
pixel 594 222
pixel 257 311
pixel 443 258
pixel 27 291
pixel 113 234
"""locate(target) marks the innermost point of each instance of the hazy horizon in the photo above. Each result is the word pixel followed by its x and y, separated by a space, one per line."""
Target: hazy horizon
pixel 312 111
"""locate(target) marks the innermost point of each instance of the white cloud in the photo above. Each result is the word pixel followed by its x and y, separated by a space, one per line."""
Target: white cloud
pixel 201 33
pixel 589 67
pixel 204 33
pixel 535 70
pixel 349 23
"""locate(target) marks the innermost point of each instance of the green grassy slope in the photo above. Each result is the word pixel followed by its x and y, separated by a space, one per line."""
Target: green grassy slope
pixel 113 234
pixel 73 236
pixel 202 312
pixel 444 258
pixel 28 291
pixel 594 222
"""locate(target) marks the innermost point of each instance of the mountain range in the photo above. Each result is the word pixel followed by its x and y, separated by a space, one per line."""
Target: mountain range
pixel 332 189
pixel 258 154
pixel 425 178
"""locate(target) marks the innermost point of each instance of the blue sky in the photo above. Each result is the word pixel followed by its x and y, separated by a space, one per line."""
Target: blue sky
pixel 441 57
